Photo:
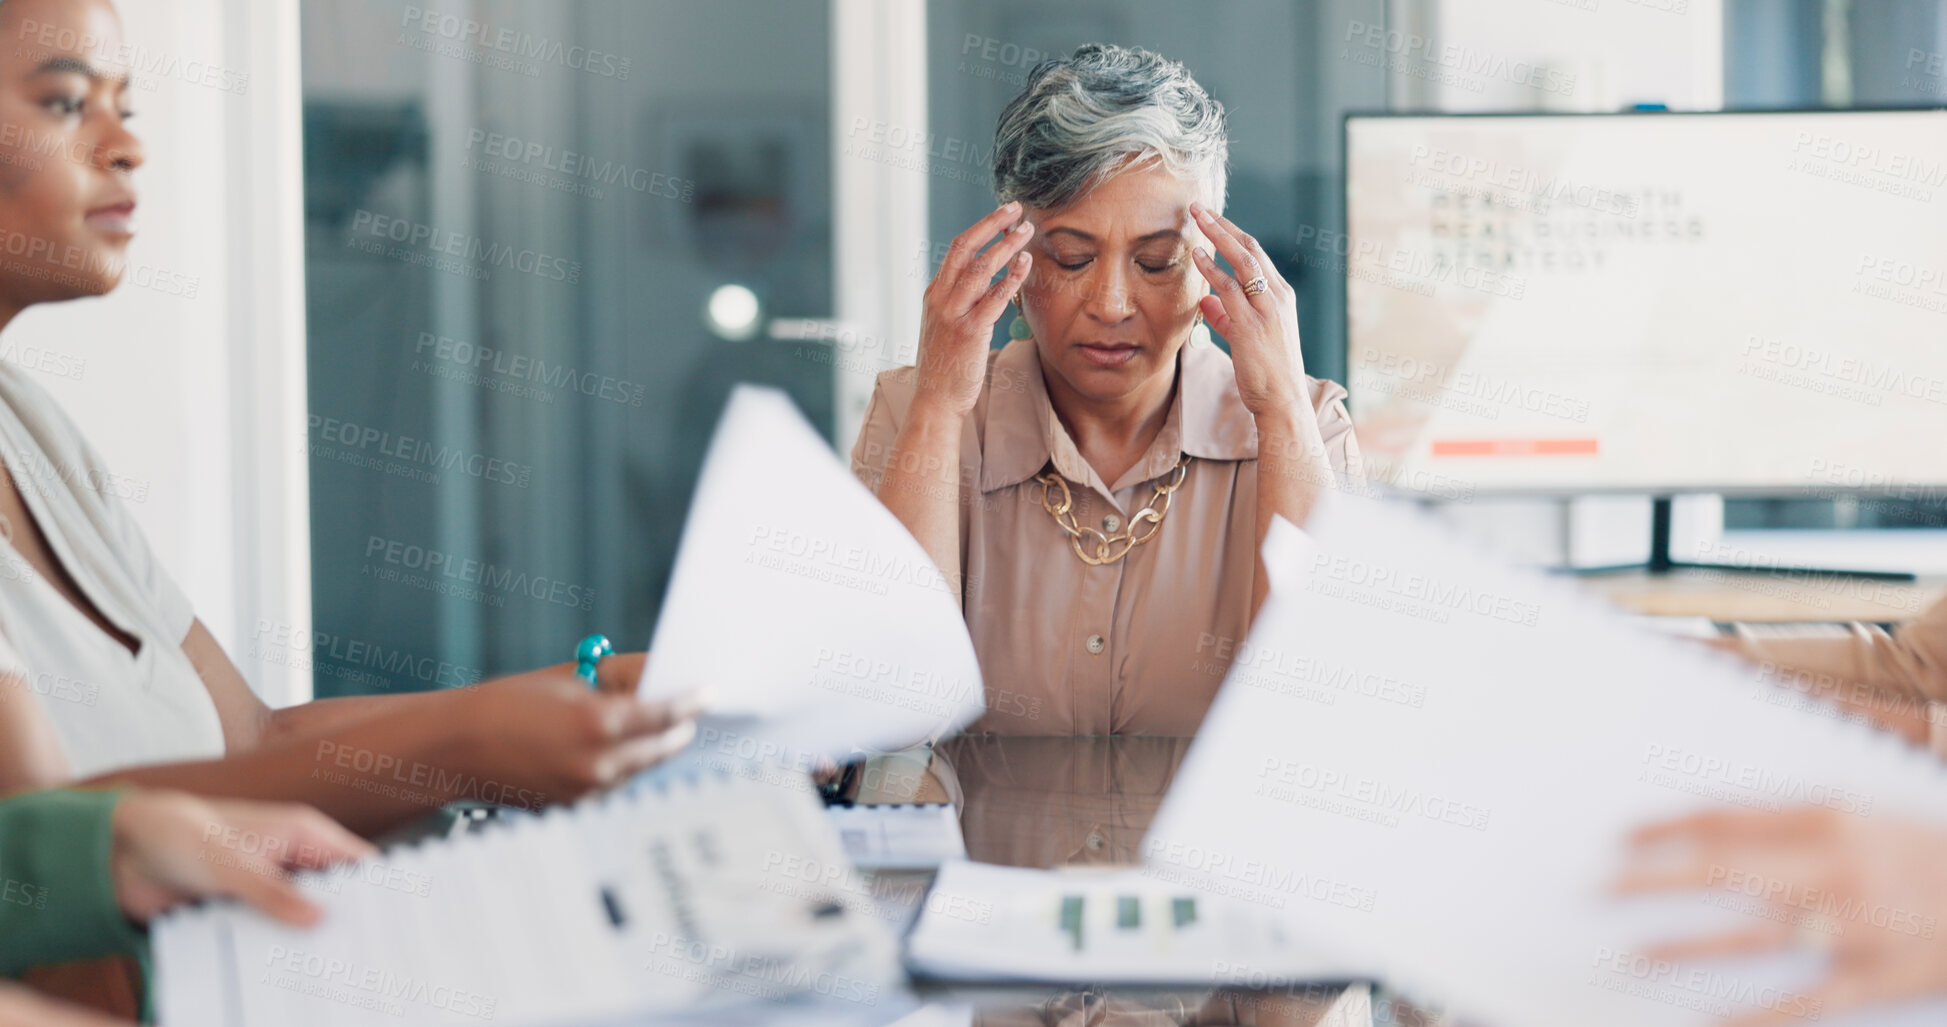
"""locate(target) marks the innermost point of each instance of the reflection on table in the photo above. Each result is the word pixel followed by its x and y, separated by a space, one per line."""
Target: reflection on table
pixel 1047 802
pixel 1050 801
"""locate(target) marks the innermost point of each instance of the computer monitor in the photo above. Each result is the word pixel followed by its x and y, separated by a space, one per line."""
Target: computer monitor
pixel 1746 302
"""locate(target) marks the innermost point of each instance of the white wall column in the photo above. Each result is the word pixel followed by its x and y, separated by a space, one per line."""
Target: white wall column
pixel 878 210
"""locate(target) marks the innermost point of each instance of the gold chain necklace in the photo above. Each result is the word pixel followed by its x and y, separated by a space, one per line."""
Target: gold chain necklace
pixel 1105 544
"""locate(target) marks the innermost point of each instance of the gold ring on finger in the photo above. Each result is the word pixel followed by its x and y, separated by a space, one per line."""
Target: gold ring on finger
pixel 1255 286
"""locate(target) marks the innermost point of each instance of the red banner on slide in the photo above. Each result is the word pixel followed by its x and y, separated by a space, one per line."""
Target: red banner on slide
pixel 1515 447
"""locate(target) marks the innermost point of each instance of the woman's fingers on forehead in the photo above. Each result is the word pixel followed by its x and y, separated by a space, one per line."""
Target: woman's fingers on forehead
pixel 997 221
pixel 1207 263
pixel 1230 295
pixel 1256 261
pixel 974 240
pixel 1224 237
pixel 1250 242
pixel 997 257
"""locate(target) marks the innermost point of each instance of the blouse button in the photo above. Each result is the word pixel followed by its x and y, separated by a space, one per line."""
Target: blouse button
pixel 1111 523
pixel 1096 644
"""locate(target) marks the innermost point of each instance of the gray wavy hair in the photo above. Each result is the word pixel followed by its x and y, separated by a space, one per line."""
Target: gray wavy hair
pixel 1103 109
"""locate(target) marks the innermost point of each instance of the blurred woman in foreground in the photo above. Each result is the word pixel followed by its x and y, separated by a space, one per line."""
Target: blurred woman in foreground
pixel 106 674
pixel 88 613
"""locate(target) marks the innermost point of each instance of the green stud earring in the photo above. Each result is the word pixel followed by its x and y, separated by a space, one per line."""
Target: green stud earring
pixel 1018 328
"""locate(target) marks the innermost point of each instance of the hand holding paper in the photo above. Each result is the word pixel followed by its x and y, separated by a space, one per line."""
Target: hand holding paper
pixel 1822 875
pixel 1433 764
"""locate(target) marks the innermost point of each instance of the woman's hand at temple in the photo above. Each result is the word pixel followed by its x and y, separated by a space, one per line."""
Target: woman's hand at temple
pixel 1810 865
pixel 921 483
pixel 961 304
pixel 1292 464
pixel 1263 329
pixel 170 848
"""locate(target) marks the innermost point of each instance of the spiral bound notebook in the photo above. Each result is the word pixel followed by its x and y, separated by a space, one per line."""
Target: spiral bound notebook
pixel 687 891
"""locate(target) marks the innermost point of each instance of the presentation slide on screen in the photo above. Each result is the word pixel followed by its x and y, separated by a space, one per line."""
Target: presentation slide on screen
pixel 1648 302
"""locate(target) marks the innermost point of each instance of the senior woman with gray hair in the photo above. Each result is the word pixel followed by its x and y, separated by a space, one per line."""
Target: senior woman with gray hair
pixel 1099 487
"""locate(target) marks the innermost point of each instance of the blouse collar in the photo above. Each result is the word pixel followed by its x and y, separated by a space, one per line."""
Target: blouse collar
pixel 1022 435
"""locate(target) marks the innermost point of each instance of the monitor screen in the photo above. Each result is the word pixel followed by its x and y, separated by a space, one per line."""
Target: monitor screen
pixel 1656 302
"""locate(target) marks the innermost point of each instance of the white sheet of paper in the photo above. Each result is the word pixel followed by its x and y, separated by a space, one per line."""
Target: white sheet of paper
pixel 993 923
pixel 814 617
pixel 1431 761
pixel 902 837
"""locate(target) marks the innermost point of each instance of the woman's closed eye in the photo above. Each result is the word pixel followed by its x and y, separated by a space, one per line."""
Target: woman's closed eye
pixel 1151 267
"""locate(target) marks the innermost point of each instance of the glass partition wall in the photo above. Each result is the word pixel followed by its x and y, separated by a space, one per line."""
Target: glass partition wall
pixel 543 241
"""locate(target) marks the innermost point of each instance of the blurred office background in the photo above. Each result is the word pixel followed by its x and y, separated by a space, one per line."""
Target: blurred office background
pixel 479 273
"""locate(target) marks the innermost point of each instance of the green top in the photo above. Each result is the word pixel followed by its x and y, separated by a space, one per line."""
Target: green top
pixel 57 895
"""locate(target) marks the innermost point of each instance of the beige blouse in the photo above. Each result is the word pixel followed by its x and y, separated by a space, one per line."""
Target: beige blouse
pixel 1134 647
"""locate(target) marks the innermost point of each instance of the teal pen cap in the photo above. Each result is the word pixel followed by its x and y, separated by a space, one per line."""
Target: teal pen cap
pixel 589 653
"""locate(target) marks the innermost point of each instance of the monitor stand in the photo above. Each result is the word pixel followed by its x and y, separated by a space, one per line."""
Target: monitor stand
pixel 1661 563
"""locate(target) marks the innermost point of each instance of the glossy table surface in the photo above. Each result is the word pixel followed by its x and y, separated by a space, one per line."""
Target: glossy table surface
pixel 1790 597
pixel 1045 802
pixel 1060 801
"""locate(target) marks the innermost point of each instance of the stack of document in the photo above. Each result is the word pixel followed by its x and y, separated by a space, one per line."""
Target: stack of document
pixel 910 837
pixel 1082 926
pixel 688 893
